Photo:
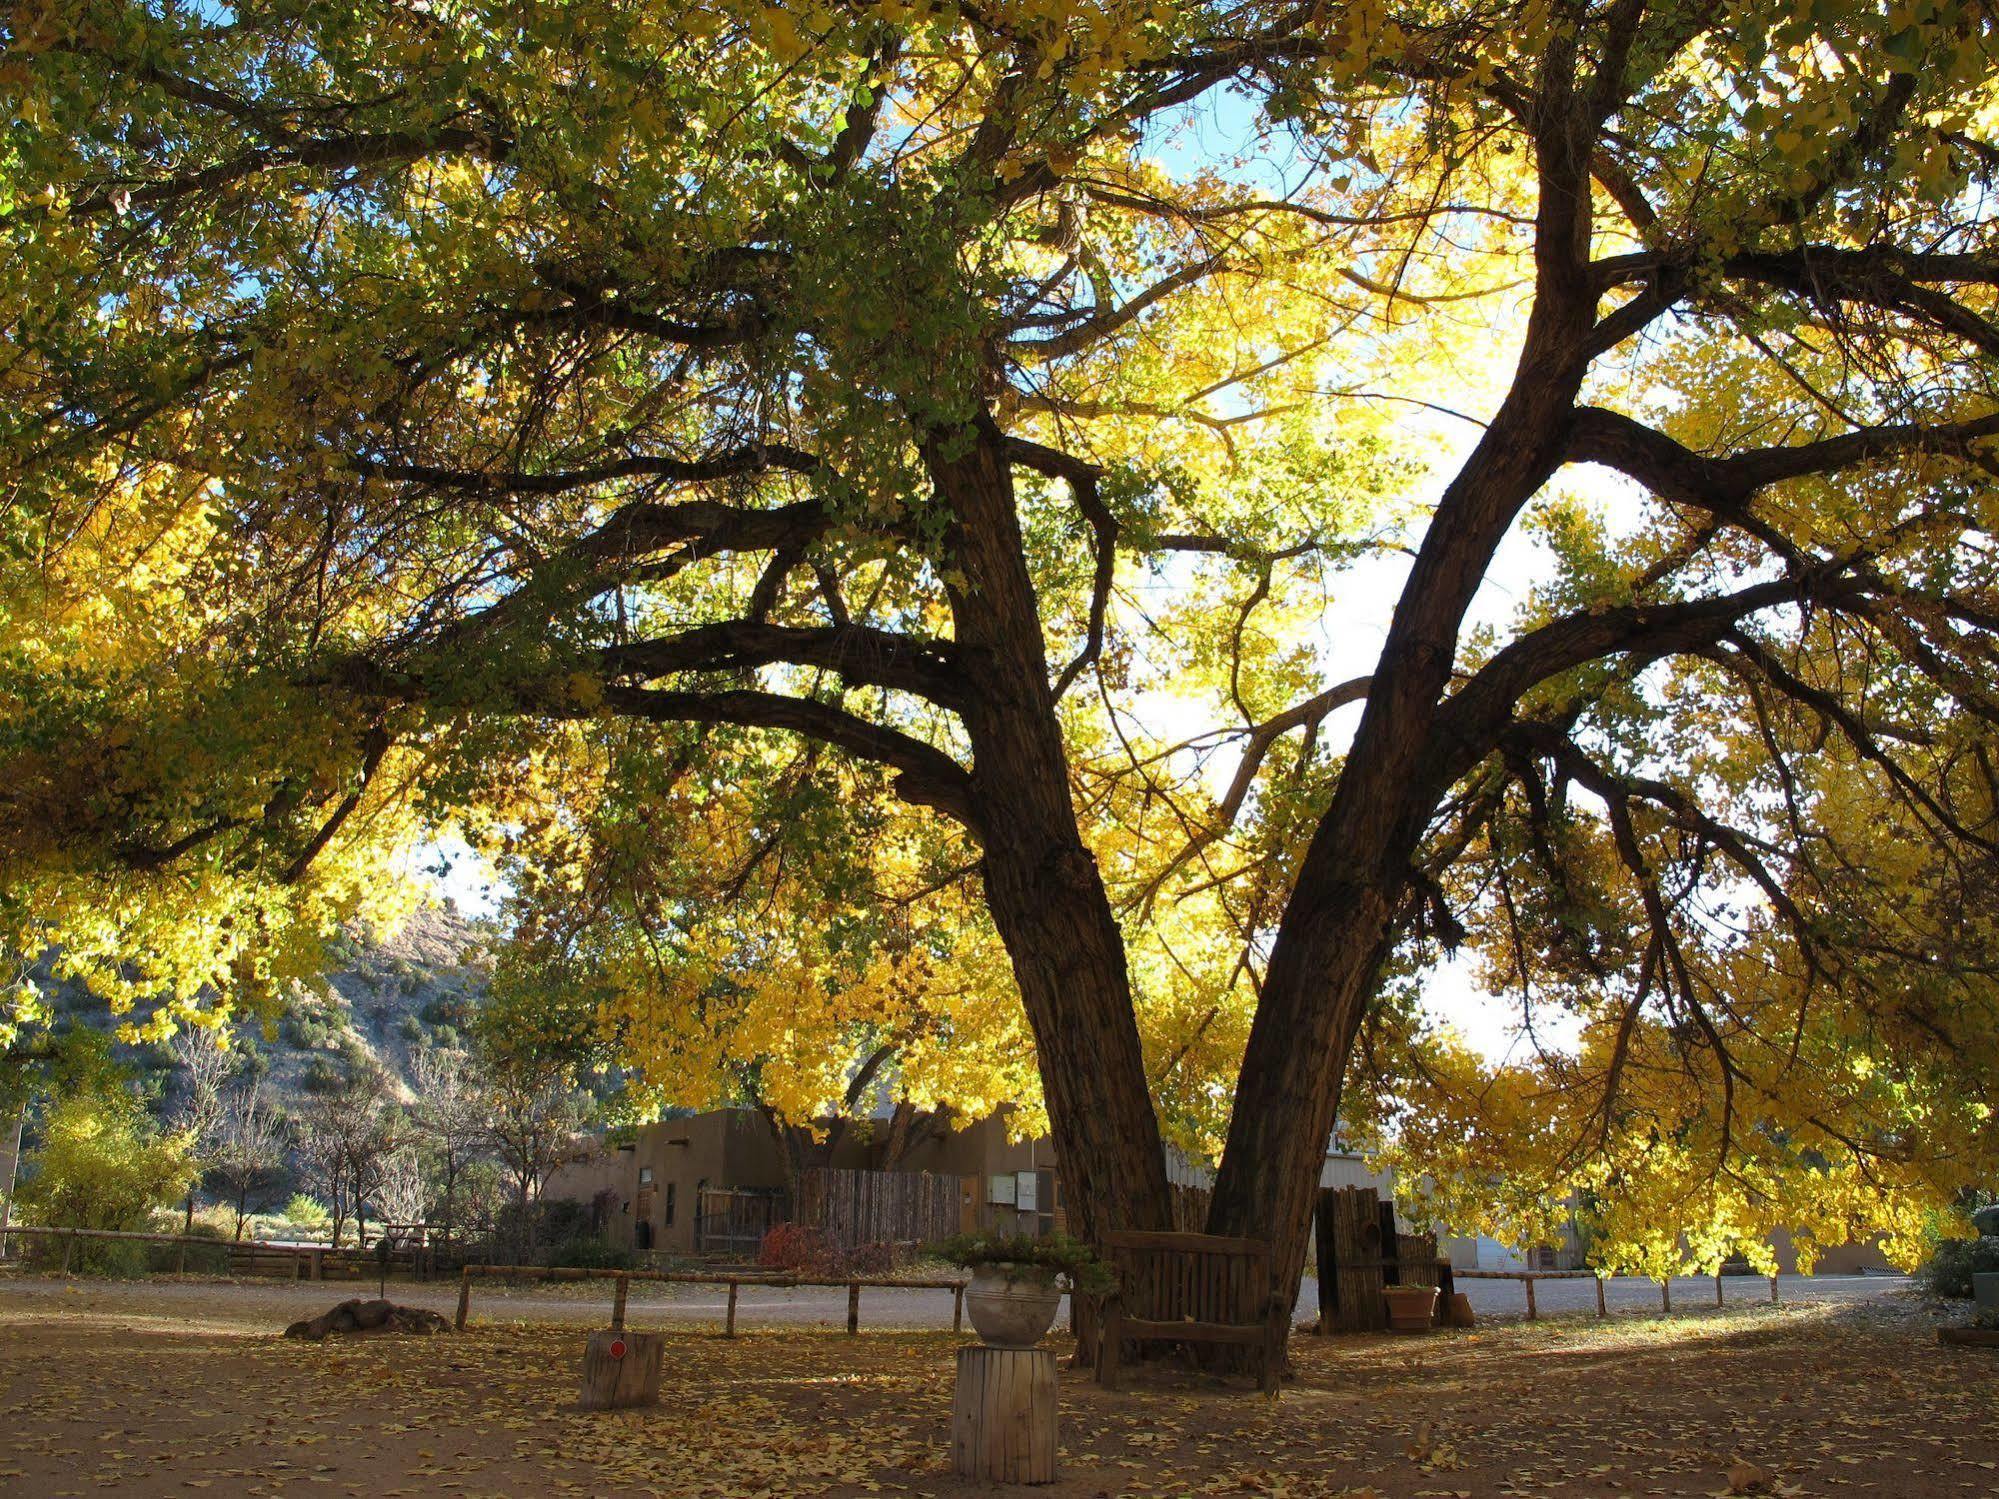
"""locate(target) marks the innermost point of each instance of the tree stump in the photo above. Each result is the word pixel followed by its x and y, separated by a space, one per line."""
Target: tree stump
pixel 621 1369
pixel 1003 1415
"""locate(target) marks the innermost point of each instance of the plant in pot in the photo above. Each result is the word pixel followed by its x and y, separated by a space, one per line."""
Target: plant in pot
pixel 1018 1281
pixel 1410 1308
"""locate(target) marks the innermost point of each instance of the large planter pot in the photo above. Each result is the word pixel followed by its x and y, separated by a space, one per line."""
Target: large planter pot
pixel 1410 1308
pixel 1012 1306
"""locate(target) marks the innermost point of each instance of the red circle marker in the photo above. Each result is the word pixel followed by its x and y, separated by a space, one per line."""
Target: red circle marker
pixel 617 1348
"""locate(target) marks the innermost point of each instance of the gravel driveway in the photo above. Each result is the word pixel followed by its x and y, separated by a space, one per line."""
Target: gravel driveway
pixel 193 1302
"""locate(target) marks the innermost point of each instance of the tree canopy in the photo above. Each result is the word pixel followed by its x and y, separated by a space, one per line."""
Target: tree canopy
pixel 830 494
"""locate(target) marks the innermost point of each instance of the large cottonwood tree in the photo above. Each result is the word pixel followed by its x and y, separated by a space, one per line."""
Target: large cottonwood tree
pixel 407 402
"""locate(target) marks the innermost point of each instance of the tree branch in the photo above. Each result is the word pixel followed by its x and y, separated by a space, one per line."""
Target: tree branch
pixel 857 653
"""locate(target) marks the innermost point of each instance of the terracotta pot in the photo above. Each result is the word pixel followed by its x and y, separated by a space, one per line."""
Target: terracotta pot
pixel 1012 1306
pixel 1410 1308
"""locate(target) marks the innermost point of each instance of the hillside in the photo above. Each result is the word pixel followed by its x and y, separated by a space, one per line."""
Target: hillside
pixel 388 997
pixel 383 997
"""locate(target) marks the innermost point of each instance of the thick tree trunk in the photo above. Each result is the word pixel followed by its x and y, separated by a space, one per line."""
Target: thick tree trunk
pixel 798 1152
pixel 1043 888
pixel 1339 921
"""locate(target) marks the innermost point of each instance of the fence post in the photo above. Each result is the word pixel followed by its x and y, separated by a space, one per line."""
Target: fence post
pixel 180 1267
pixel 730 1330
pixel 618 1303
pixel 68 1244
pixel 853 1307
pixel 1528 1282
pixel 464 1297
pixel 1601 1309
pixel 957 1309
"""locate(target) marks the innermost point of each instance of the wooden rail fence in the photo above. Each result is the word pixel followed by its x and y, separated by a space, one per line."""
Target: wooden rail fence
pixel 1528 1277
pixel 246 1256
pixel 624 1279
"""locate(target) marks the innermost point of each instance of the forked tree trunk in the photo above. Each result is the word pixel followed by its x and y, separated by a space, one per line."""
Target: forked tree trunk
pixel 1338 923
pixel 1043 889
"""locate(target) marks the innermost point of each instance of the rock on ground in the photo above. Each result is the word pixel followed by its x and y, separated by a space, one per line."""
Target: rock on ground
pixel 369 1316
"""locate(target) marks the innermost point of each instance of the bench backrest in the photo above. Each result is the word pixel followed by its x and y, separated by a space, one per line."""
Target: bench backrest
pixel 1171 1277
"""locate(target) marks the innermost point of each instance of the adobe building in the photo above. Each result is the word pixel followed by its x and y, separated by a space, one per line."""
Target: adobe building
pixel 713 1182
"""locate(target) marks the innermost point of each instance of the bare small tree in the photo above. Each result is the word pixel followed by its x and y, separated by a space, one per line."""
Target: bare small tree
pixel 533 1114
pixel 402 1186
pixel 344 1133
pixel 203 1067
pixel 250 1147
pixel 450 1113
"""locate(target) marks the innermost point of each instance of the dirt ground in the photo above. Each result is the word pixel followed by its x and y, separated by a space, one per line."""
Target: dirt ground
pixel 100 1393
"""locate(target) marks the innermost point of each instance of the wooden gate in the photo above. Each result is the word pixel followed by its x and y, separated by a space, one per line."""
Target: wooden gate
pixel 734 1220
pixel 1360 1251
pixel 879 1207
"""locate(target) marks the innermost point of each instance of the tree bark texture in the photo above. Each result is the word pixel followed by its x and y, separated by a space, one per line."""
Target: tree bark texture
pixel 1043 888
pixel 1339 922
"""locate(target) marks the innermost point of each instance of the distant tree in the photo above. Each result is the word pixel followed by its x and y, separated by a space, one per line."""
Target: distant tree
pixel 402 1184
pixel 343 1134
pixel 534 1112
pixel 450 1115
pixel 203 1065
pixel 249 1152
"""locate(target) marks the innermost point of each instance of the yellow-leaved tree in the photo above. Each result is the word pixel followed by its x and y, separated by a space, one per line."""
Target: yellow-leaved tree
pixel 834 494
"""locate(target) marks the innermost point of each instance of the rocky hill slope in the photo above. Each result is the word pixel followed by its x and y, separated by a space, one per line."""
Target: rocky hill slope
pixel 384 998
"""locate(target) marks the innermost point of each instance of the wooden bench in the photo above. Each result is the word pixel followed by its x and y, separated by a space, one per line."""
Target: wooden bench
pixel 1188 1289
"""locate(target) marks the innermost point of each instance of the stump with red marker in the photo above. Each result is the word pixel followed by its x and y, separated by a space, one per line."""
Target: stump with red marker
pixel 621 1369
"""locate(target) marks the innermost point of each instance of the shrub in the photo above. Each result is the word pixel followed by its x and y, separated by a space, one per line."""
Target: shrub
pixel 1058 1252
pixel 410 1028
pixel 322 1075
pixel 447 1009
pixel 102 1164
pixel 558 1219
pixel 590 1254
pixel 791 1246
pixel 200 1259
pixel 801 1249
pixel 1950 1269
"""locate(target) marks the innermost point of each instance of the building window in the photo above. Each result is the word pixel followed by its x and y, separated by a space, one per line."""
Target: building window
pixel 670 1186
pixel 645 1176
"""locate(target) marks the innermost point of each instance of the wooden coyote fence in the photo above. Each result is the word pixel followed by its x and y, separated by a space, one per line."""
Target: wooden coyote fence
pixel 1360 1252
pixel 1190 1209
pixel 624 1279
pixel 1527 1279
pixel 879 1207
